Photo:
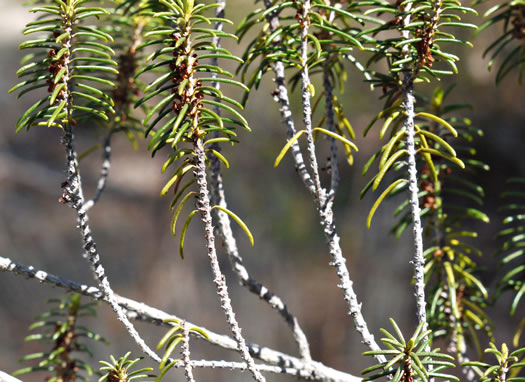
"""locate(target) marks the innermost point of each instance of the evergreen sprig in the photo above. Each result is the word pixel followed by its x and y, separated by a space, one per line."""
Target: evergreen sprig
pixel 509 45
pixel 59 327
pixel 505 370
pixel 407 360
pixel 120 370
pixel 426 26
pixel 187 100
pixel 332 31
pixel 73 60
pixel 512 249
pixel 330 37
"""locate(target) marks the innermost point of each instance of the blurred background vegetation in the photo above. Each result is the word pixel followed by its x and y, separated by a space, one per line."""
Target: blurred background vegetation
pixel 131 221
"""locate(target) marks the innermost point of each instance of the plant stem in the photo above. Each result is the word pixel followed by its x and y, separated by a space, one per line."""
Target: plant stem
pixel 224 230
pixel 218 278
pixel 306 95
pixel 104 172
pixel 230 245
pixel 73 193
pixel 417 231
pixel 324 206
pixel 330 121
pixel 284 363
pixel 188 368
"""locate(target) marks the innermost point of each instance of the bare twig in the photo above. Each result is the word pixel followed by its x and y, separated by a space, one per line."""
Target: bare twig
pixel 241 366
pixel 224 230
pixel 281 97
pixel 218 278
pixel 230 245
pixel 188 367
pixel 73 194
pixel 140 311
pixel 419 260
pixel 104 172
pixel 306 95
pixel 330 121
pixel 324 206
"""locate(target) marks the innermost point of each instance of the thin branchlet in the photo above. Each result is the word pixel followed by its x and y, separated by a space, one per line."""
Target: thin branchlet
pixel 224 230
pixel 218 278
pixel 306 95
pixel 73 195
pixel 104 173
pixel 186 355
pixel 325 207
pixel 140 311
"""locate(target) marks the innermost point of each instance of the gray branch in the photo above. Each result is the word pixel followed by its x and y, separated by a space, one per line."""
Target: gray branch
pixel 419 260
pixel 224 230
pixel 140 311
pixel 241 366
pixel 330 121
pixel 104 173
pixel 188 367
pixel 324 207
pixel 73 194
pixel 218 278
pixel 281 97
pixel 306 95
pixel 230 245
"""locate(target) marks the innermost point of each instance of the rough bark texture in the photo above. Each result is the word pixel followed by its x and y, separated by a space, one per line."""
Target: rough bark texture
pixel 218 278
pixel 140 311
pixel 323 205
pixel 224 230
pixel 73 194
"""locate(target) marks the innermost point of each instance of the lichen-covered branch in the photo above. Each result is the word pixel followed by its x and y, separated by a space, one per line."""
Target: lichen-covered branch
pixel 240 366
pixel 324 206
pixel 224 230
pixel 417 230
pixel 419 260
pixel 330 121
pixel 188 367
pixel 73 194
pixel 218 278
pixel 306 95
pixel 230 246
pixel 140 311
pixel 104 173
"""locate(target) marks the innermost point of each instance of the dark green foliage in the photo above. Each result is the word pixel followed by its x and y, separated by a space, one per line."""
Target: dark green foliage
pixel 185 110
pixel 408 360
pixel 120 370
pixel 60 331
pixel 509 45
pixel 424 28
pixel 507 366
pixel 73 60
pixel 189 106
pixel 513 247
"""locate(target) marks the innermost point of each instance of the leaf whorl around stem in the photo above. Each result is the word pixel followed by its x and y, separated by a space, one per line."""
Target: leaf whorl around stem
pixel 72 60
